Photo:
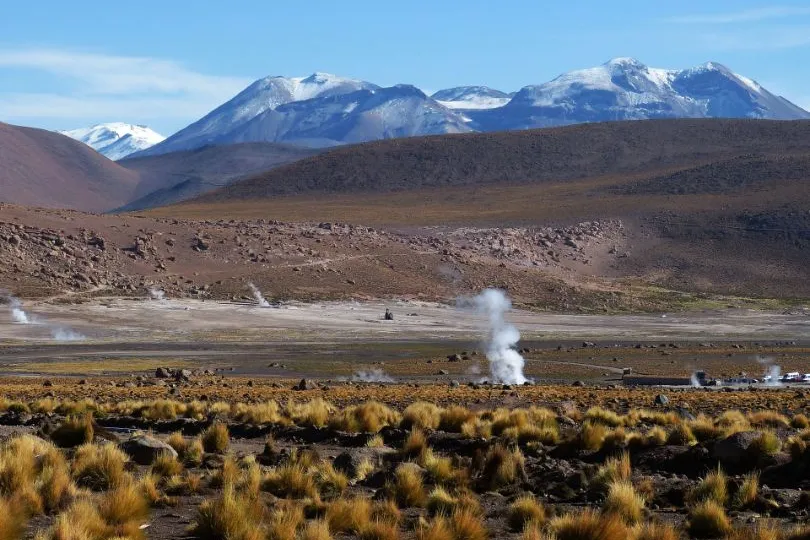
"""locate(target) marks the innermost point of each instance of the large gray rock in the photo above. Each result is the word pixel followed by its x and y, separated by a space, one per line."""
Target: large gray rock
pixel 144 449
pixel 733 450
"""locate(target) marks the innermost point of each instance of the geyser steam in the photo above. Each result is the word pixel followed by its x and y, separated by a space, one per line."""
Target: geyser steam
pixel 773 372
pixel 257 294
pixel 156 294
pixel 18 315
pixel 505 363
pixel 373 375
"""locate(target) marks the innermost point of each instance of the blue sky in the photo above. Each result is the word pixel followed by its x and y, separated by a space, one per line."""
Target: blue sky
pixel 166 63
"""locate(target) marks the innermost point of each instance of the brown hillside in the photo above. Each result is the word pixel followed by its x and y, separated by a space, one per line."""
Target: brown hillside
pixel 524 157
pixel 42 168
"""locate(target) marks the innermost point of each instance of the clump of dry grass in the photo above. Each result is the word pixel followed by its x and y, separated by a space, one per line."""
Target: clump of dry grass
pixel 316 530
pixel 441 471
pixel 375 442
pixel 654 531
pixel 591 436
pixel 315 412
pixel 799 421
pixel 75 430
pixel 178 442
pixel 99 467
pixel 760 532
pixel 421 415
pixel 589 525
pixel 215 439
pixel 614 469
pixel 767 443
pixel 12 520
pixel 415 444
pixel 681 435
pixel 284 521
pixel 771 419
pixel 379 530
pixel 291 480
pixel 708 520
pixel 525 510
pixel 81 520
pixel 468 525
pixel 598 415
pixel 348 515
pixel 704 428
pixel 502 467
pixel 368 417
pixel 747 493
pixel 713 487
pixel 624 502
pixel 166 465
pixel 439 528
pixel 332 483
pixel 408 486
pixel 440 501
pixel 268 412
pixel 232 516
pixel 452 418
pixel 123 507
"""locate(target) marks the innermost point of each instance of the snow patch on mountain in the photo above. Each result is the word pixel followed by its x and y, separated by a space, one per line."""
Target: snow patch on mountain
pixel 116 140
pixel 471 97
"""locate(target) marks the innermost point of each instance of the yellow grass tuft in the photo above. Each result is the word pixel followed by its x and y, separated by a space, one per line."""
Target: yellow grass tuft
pixel 316 530
pixel 503 467
pixel 215 439
pixel 468 525
pixel 408 486
pixel 747 493
pixel 99 467
pixel 348 515
pixel 708 520
pixel 166 465
pixel 524 511
pixel 624 502
pixel 589 526
pixel 452 418
pixel 421 415
pixel 713 487
pixel 614 469
pixel 654 531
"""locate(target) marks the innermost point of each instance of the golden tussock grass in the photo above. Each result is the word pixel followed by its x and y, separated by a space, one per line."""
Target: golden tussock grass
pixel 438 528
pixel 12 520
pixel 179 443
pixel 386 511
pixel 408 486
pixel 315 412
pixel 316 530
pixel 502 467
pixel 440 501
pixel 124 504
pixel 99 467
pixel 713 487
pixel 268 412
pixel 368 417
pixel 623 501
pixel 452 418
pixel 231 516
pixel 614 469
pixel 654 531
pixel 767 443
pixel 771 419
pixel 681 435
pixel 799 421
pixel 597 415
pixel 331 482
pixel 81 520
pixel 708 520
pixel 524 510
pixel 379 530
pixel 468 525
pixel 348 515
pixel 166 465
pixel 375 442
pixel 421 415
pixel 748 491
pixel 215 439
pixel 415 444
pixel 591 436
pixel 284 521
pixel 759 532
pixel 588 525
pixel 75 430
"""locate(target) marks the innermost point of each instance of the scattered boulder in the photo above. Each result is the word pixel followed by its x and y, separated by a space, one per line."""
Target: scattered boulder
pixel 662 400
pixel 304 384
pixel 733 450
pixel 144 449
pixel 162 373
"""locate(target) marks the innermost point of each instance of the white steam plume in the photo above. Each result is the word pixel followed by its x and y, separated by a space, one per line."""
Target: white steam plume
pixel 505 363
pixel 257 294
pixel 157 294
pixel 694 380
pixel 18 315
pixel 372 375
pixel 772 371
pixel 66 334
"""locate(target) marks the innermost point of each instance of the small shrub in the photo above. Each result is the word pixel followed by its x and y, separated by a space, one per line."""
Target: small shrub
pixel 215 439
pixel 708 520
pixel 681 435
pixel 525 510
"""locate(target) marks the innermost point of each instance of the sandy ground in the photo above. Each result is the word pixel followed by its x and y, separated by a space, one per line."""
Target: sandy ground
pixel 180 320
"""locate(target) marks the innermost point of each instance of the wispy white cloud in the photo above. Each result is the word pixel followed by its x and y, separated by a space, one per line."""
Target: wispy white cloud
pixel 118 87
pixel 743 16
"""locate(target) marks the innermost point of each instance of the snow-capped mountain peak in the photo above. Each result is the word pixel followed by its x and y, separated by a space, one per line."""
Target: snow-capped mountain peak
pixel 116 140
pixel 471 97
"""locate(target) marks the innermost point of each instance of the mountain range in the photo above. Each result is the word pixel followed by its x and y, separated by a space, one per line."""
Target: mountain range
pixel 325 110
pixel 116 140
